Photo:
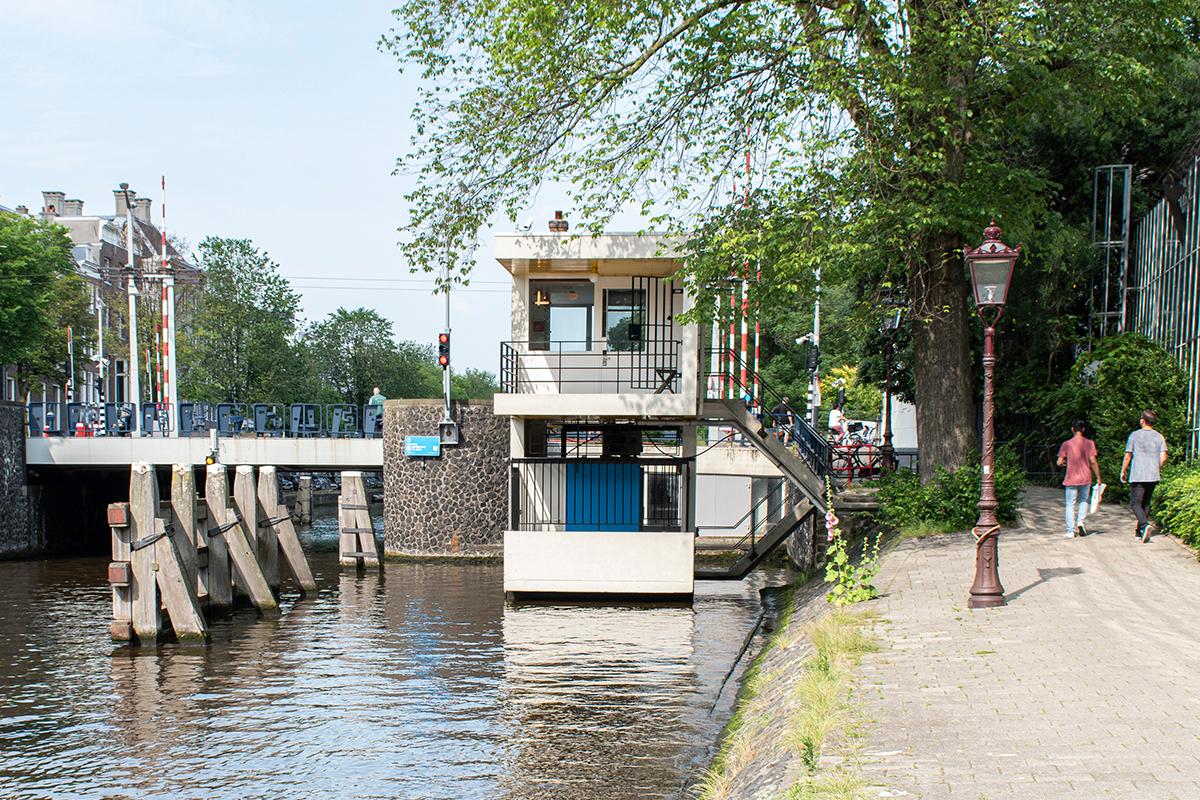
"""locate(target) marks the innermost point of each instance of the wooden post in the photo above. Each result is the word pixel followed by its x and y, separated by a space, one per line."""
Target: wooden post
pixel 246 570
pixel 183 518
pixel 218 576
pixel 143 511
pixel 120 574
pixel 275 523
pixel 177 589
pixel 264 544
pixel 356 540
pixel 304 500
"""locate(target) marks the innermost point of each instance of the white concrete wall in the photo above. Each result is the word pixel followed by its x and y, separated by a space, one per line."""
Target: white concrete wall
pixel 722 500
pixel 315 453
pixel 583 562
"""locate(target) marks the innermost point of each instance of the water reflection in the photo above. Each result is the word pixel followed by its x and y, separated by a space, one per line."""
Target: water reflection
pixel 414 683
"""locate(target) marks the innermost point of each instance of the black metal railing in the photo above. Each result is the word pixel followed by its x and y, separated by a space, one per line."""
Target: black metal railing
pixel 589 367
pixel 598 494
pixel 796 432
pixel 760 515
pixel 294 420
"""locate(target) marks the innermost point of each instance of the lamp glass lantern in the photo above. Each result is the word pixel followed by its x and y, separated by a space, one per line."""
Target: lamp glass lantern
pixel 991 268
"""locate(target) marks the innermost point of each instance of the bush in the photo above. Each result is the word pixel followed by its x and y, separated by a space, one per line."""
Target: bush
pixel 1177 502
pixel 948 502
pixel 1110 387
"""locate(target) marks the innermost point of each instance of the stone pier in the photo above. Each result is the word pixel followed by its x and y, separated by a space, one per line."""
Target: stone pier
pixel 456 504
pixel 18 528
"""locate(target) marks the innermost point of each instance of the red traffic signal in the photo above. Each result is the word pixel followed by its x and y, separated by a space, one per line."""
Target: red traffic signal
pixel 443 358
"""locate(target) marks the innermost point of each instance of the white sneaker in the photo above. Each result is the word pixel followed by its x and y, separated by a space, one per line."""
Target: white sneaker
pixel 1069 535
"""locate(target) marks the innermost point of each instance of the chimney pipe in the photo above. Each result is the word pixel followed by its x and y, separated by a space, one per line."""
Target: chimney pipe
pixel 559 223
pixel 72 208
pixel 22 210
pixel 52 203
pixel 141 208
pixel 119 199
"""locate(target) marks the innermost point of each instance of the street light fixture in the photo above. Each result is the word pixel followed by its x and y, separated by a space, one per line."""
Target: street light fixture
pixel 991 266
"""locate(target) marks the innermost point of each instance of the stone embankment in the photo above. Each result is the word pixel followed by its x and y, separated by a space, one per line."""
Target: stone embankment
pixel 18 528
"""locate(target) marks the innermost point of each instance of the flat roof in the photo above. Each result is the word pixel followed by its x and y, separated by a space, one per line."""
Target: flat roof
pixel 609 253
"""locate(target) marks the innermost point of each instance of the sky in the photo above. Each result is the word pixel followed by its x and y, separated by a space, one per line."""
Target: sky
pixel 277 122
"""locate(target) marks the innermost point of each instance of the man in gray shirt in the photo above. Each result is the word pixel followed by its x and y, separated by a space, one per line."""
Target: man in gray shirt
pixel 1145 453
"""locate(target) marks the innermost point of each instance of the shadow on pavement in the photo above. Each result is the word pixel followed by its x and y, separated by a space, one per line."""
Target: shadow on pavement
pixel 1043 576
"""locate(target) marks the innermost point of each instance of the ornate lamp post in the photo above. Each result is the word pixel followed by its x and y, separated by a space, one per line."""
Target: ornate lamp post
pixel 891 324
pixel 991 267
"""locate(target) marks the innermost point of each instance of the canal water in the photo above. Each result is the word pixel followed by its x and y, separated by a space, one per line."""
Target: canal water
pixel 417 683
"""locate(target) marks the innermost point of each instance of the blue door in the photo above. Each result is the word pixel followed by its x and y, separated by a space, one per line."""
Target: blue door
pixel 603 496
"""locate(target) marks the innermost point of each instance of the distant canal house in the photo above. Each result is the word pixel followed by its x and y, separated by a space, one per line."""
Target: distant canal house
pixel 603 386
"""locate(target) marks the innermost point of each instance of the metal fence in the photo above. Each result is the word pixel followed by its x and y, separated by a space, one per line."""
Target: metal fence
pixel 584 367
pixel 598 494
pixel 294 420
pixel 1167 267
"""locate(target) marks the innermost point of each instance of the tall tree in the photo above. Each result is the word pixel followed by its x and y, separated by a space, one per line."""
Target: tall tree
pixel 242 345
pixel 353 351
pixel 40 295
pixel 888 134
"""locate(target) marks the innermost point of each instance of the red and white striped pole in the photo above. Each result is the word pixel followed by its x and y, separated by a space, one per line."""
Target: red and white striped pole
pixel 170 390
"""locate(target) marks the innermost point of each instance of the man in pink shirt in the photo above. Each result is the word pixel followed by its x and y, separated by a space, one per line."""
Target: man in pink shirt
pixel 1078 455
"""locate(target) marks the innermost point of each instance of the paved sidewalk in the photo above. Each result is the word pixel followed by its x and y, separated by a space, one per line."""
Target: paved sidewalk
pixel 1087 685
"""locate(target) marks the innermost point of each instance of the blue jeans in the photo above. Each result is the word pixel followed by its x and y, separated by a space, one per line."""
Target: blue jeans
pixel 1077 505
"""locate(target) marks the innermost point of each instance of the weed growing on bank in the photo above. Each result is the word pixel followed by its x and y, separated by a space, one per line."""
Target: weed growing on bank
pixel 852 583
pixel 823 711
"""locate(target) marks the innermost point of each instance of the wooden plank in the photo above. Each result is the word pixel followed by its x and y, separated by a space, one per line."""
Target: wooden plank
pixel 289 545
pixel 143 511
pixel 186 533
pixel 304 500
pixel 218 576
pixel 357 536
pixel 283 531
pixel 264 544
pixel 177 589
pixel 121 628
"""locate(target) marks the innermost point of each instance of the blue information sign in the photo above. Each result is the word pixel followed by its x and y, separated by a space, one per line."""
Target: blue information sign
pixel 423 446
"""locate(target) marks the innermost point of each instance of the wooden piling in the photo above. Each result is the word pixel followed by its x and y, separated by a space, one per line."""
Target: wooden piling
pixel 185 531
pixel 356 539
pixel 263 542
pixel 143 511
pixel 247 571
pixel 218 577
pixel 304 499
pixel 274 522
pixel 177 589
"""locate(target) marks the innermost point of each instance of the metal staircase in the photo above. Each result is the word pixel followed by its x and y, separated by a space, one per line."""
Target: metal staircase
pixel 762 547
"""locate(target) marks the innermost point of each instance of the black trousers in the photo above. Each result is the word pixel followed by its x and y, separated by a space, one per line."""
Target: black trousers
pixel 1139 498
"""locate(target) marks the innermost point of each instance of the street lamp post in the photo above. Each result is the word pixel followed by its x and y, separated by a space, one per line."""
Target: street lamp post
pixel 135 391
pixel 991 266
pixel 891 324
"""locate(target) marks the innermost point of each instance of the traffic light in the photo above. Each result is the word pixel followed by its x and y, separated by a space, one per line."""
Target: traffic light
pixel 443 358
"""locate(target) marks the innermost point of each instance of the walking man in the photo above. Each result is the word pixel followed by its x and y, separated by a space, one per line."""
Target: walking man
pixel 1145 453
pixel 784 420
pixel 1078 455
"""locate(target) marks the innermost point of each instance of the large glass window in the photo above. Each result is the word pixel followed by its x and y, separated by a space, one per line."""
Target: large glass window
pixel 560 315
pixel 624 318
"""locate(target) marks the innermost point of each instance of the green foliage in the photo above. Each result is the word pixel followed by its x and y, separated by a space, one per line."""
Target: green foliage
pixel 40 294
pixel 1177 502
pixel 852 583
pixel 1109 388
pixel 949 501
pixel 655 104
pixel 243 343
pixel 473 384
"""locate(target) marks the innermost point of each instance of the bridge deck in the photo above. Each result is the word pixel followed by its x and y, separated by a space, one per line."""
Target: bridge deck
pixel 314 453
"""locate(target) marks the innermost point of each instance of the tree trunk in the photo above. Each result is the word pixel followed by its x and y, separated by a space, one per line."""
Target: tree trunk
pixel 942 359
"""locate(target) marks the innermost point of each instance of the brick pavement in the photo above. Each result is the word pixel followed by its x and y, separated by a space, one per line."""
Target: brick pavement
pixel 1087 685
